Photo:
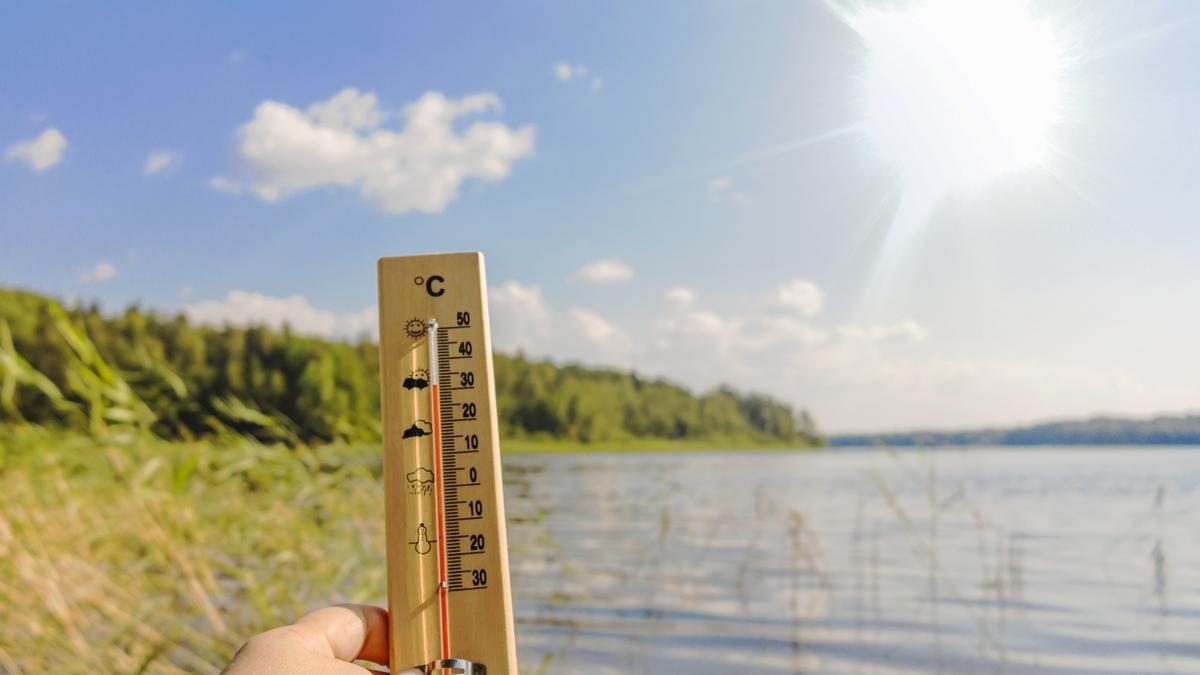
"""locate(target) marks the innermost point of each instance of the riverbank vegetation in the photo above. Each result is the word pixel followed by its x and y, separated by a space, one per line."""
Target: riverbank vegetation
pixel 138 555
pixel 168 489
pixel 77 368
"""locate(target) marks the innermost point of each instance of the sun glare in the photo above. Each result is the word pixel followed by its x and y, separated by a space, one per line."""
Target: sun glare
pixel 959 93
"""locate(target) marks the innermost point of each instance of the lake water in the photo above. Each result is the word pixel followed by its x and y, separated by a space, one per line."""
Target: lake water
pixel 857 561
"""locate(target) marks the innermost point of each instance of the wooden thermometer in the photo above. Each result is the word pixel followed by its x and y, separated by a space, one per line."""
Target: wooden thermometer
pixel 447 552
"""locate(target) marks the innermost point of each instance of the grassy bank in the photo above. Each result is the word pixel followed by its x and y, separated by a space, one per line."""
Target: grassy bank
pixel 143 556
pixel 139 555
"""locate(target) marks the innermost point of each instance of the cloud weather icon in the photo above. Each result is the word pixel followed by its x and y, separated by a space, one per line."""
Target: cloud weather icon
pixel 418 429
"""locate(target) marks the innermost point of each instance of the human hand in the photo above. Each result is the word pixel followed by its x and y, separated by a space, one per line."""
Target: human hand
pixel 321 643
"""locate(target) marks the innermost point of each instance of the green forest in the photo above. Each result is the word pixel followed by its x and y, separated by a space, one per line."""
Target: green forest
pixel 78 368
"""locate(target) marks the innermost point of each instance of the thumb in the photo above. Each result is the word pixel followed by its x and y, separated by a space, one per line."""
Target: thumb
pixel 346 632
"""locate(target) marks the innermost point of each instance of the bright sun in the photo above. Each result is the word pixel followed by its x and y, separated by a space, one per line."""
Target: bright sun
pixel 958 93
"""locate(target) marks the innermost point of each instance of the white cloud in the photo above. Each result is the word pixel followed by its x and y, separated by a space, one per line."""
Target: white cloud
pixel 606 271
pixel 871 375
pixel 799 295
pixel 40 153
pixel 566 71
pixel 852 376
pixel 246 308
pixel 98 273
pixel 770 331
pixel 348 110
pixel 160 160
pixel 523 321
pixel 519 316
pixel 595 327
pixel 357 324
pixel 223 184
pixel 591 338
pixel 839 370
pixel 680 297
pixel 903 330
pixel 721 190
pixel 340 142
pixel 720 183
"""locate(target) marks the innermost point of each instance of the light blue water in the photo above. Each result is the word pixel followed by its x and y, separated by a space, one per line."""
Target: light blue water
pixel 858 561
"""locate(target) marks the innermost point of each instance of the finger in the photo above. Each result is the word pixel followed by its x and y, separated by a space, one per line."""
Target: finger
pixel 347 632
pixel 375 641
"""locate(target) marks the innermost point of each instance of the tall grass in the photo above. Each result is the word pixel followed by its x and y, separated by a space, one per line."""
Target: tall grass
pixel 135 555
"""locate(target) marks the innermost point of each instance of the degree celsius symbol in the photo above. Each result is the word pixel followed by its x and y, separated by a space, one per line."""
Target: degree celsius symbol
pixel 432 284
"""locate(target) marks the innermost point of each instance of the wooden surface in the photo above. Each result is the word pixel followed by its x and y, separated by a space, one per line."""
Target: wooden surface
pixel 476 602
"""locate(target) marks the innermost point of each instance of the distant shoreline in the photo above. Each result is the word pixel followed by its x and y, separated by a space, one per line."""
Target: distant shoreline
pixel 1163 430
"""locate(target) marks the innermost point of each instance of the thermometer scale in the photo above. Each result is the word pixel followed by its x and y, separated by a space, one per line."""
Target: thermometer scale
pixel 447 552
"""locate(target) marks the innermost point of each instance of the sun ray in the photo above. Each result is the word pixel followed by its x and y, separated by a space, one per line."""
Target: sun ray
pixel 785 148
pixel 715 168
pixel 955 95
pixel 1130 41
pixel 1074 188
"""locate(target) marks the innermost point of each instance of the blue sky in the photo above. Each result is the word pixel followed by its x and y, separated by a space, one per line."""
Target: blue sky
pixel 682 188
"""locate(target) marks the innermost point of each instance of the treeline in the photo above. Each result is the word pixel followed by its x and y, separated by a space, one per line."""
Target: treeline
pixel 78 368
pixel 1163 430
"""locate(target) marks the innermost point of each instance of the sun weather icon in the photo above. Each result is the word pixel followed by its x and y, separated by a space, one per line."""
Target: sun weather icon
pixel 417 379
pixel 415 328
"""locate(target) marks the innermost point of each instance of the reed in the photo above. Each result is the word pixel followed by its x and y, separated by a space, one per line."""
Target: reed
pixel 135 555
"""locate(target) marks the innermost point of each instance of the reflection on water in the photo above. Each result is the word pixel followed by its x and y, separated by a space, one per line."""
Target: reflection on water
pixel 848 561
